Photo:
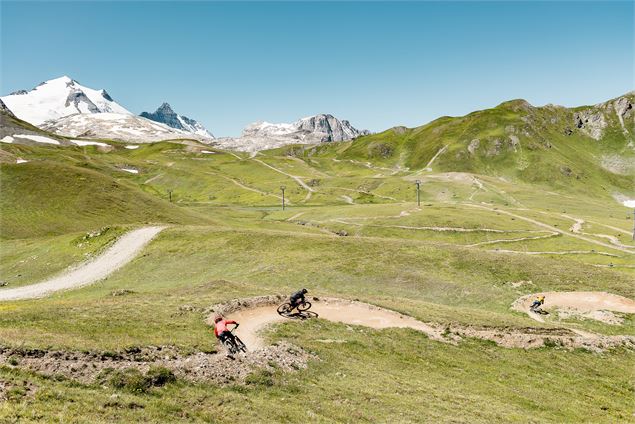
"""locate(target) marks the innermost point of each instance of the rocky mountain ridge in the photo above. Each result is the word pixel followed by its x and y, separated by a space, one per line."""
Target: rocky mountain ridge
pixel 165 115
pixel 321 128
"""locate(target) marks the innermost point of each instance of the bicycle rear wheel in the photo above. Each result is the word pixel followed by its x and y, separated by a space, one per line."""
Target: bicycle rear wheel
pixel 285 308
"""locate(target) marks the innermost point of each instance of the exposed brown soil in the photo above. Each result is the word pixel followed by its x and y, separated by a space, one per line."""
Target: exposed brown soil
pixel 217 368
pixel 256 313
pixel 585 305
pixel 16 390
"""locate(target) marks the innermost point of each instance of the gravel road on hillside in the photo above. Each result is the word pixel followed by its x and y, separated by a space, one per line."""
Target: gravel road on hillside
pixel 123 251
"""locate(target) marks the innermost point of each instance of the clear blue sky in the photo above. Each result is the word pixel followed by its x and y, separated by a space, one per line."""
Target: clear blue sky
pixel 377 64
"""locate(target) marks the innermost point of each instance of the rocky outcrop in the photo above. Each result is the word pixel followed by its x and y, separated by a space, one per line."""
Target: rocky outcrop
pixel 165 115
pixel 624 109
pixel 322 128
pixel 5 110
pixel 78 98
pixel 591 123
pixel 473 146
pixel 328 128
pixel 594 121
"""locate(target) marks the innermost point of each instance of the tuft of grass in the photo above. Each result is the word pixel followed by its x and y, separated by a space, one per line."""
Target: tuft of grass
pixel 134 381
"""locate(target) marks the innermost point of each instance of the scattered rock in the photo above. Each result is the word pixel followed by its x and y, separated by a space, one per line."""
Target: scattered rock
pixel 190 308
pixel 16 391
pixel 342 233
pixel 473 146
pixel 91 367
pixel 521 283
pixel 122 292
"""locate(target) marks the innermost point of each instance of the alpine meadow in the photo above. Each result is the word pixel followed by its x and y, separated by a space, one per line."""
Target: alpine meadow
pixel 472 269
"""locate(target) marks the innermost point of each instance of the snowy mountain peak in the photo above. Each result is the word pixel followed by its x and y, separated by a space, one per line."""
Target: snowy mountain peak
pixel 166 115
pixel 58 98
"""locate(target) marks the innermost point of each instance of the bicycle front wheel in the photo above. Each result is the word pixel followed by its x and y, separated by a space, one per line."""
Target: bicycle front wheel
pixel 304 306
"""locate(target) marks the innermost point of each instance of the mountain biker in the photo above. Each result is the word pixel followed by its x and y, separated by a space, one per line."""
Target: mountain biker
pixel 540 300
pixel 297 298
pixel 220 328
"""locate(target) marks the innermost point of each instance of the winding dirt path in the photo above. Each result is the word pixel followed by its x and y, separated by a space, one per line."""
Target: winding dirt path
pixel 296 178
pixel 253 320
pixel 577 228
pixel 123 251
pixel 552 228
pixel 582 303
pixel 246 187
pixel 254 314
pixel 428 167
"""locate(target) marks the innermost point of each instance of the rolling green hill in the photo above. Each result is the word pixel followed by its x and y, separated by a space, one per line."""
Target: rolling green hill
pixel 46 198
pixel 530 207
pixel 585 149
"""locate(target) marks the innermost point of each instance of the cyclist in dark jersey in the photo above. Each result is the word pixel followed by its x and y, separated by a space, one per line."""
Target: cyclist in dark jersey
pixel 297 298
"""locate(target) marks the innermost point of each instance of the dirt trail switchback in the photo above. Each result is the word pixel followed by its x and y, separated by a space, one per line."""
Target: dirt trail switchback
pixel 253 320
pixel 587 304
pixel 123 251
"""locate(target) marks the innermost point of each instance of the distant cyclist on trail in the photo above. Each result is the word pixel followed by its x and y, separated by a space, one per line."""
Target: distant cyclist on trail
pixel 297 298
pixel 540 300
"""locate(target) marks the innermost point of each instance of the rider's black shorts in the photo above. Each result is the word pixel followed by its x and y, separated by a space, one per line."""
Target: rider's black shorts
pixel 224 336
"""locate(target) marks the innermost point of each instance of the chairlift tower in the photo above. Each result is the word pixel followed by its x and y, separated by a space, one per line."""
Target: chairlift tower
pixel 282 188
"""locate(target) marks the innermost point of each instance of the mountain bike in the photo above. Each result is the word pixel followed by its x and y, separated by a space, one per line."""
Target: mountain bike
pixel 286 308
pixel 538 310
pixel 233 343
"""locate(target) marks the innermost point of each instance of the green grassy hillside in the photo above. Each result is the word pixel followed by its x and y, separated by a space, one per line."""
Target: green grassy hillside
pixel 46 198
pixel 528 208
pixel 538 145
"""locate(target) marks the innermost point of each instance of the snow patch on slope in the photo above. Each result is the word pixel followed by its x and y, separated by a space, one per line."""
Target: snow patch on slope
pixel 37 138
pixel 115 126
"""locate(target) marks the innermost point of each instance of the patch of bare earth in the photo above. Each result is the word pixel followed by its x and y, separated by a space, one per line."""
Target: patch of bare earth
pixel 218 368
pixel 257 313
pixel 600 306
pixel 16 390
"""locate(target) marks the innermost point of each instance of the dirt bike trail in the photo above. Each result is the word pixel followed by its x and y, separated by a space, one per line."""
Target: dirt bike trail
pixel 119 254
pixel 253 320
pixel 580 302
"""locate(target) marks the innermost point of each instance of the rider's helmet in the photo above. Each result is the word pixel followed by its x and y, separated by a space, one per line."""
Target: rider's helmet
pixel 218 318
pixel 305 291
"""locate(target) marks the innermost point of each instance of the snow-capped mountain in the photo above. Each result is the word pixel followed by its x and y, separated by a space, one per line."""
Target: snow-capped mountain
pixel 58 98
pixel 310 130
pixel 167 116
pixel 116 126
